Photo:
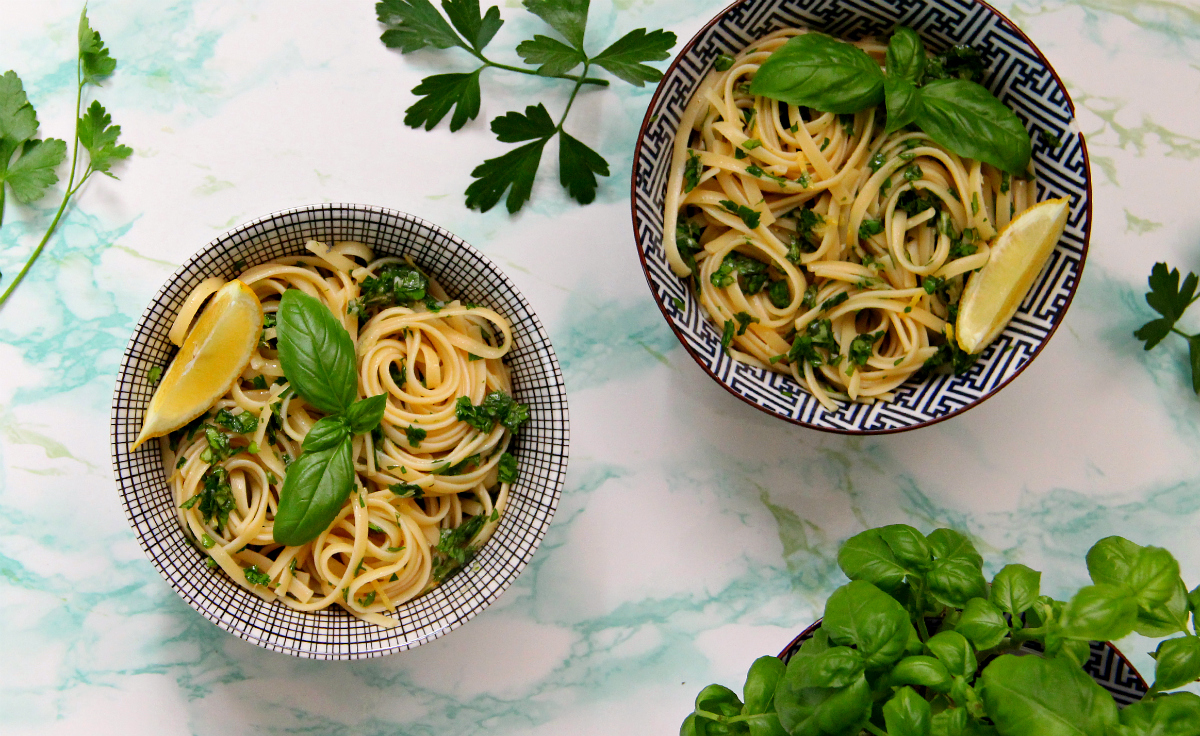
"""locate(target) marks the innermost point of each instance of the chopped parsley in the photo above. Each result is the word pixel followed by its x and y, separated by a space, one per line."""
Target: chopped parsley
pixel 723 62
pixel 454 549
pixel 154 374
pixel 748 215
pixel 259 382
pixel 254 577
pixel 243 423
pixel 756 170
pixel 779 294
pixel 752 271
pixel 497 406
pixel 507 468
pixel 869 228
pixel 751 144
pixel 414 435
pixel 743 320
pixel 932 283
pixel 834 300
pixel 913 173
pixel 877 162
pixel 691 171
pixel 407 490
pixel 395 285
pixel 862 346
pixel 727 334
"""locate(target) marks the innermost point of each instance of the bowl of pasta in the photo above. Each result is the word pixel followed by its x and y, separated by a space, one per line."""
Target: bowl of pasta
pixel 339 431
pixel 861 218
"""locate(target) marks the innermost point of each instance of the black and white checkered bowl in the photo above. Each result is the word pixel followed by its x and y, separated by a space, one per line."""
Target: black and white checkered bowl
pixel 1016 72
pixel 540 447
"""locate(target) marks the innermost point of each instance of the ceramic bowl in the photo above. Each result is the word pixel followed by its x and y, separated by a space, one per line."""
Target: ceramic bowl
pixel 1016 72
pixel 541 446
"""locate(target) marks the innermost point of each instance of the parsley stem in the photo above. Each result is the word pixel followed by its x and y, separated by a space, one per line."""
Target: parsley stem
pixel 874 729
pixel 71 189
pixel 578 79
pixel 1177 331
pixel 571 100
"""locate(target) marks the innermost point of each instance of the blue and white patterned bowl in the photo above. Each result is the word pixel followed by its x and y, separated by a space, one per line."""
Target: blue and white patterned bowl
pixel 1016 72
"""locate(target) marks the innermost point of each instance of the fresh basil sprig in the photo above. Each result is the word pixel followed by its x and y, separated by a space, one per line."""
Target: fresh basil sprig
pixel 892 649
pixel 317 355
pixel 816 71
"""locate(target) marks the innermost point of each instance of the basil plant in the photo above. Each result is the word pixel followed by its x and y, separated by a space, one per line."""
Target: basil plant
pixel 920 643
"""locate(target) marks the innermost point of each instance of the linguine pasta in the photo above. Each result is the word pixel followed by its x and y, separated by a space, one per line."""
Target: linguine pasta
pixel 820 246
pixel 430 488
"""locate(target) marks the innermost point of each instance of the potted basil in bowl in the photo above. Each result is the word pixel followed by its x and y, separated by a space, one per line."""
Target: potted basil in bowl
pixel 861 218
pixel 919 642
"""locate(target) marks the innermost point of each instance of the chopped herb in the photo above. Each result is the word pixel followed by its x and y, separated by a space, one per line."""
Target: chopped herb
pixel 181 462
pixel 1005 182
pixel 374 527
pixel 795 128
pixel 506 469
pixel 397 374
pixel 747 214
pixel 743 320
pixel 834 300
pixel 210 563
pixel 1052 140
pixel 687 240
pixel 407 490
pixel 818 334
pixel 847 121
pixel 898 361
pixel 495 516
pixel 395 285
pixel 369 599
pixel 810 297
pixel 751 144
pixel 727 334
pixel 243 423
pixel 824 144
pixel 456 469
pixel 958 62
pixel 254 577
pixel 454 548
pixel 154 374
pixel 869 228
pixel 907 309
pixel 497 406
pixel 877 162
pixel 259 382
pixel 414 435
pixel 723 62
pixel 677 302
pixel 691 171
pixel 432 304
pixel 885 186
pixel 916 200
pixel 472 357
pixel 913 173
pixel 779 294
pixel 190 502
pixel 861 347
pixel 755 170
pixel 975 203
pixel 907 156
pixel 218 445
pixel 395 549
pixel 752 271
pixel 252 448
pixel 739 154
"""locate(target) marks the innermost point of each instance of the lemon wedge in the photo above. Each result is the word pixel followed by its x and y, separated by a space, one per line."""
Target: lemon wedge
pixel 213 355
pixel 1018 254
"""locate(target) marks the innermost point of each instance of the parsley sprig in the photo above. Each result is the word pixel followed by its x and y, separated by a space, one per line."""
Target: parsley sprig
pixel 416 24
pixel 1171 300
pixel 27 163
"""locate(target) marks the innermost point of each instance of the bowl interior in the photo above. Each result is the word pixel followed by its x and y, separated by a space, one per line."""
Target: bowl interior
pixel 540 447
pixel 1016 72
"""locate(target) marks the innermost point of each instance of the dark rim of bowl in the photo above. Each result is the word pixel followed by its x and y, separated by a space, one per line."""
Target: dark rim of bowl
pixel 1087 236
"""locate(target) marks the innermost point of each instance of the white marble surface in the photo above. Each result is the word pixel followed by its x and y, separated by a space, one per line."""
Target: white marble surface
pixel 695 532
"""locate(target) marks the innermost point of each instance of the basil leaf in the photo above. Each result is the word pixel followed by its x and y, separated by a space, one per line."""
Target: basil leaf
pixel 1110 561
pixel 948 544
pixel 921 670
pixel 905 56
pixel 954 651
pixel 814 70
pixel 903 102
pixel 822 710
pixel 761 681
pixel 968 119
pixel 1100 613
pixel 866 556
pixel 327 433
pixel 1166 618
pixel 316 486
pixel 956 581
pixel 1015 588
pixel 316 353
pixel 862 615
pixel 907 714
pixel 834 667
pixel 909 545
pixel 1049 697
pixel 982 623
pixel 1176 662
pixel 365 415
pixel 718 699
pixel 1173 714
